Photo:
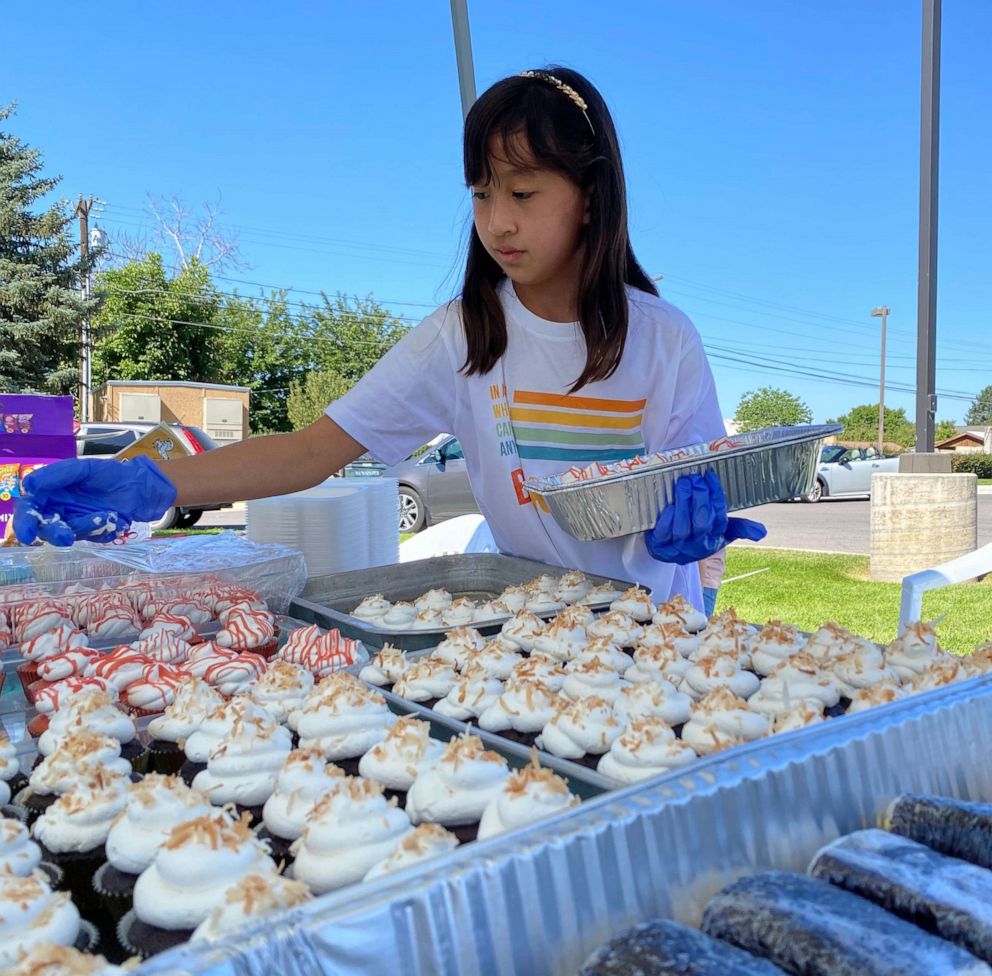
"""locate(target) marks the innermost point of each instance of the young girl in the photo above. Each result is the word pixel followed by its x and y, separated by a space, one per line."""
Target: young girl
pixel 558 352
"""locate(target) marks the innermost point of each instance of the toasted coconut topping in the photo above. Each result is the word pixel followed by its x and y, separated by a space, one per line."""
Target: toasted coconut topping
pixel 214 832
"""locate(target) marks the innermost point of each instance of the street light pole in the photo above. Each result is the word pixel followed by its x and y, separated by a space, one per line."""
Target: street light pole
pixel 463 53
pixel 882 312
pixel 83 209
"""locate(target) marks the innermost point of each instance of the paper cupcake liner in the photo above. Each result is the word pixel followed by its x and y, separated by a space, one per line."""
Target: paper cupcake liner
pixel 78 868
pixel 27 671
pixel 141 939
pixel 55 874
pixel 466 833
pixel 38 726
pixel 88 938
pixel 115 889
pixel 14 811
pixel 164 757
pixel 278 846
pixel 189 769
pixel 137 755
pixel 35 803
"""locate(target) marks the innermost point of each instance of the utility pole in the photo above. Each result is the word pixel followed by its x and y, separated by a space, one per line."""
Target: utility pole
pixel 463 54
pixel 83 209
pixel 926 342
pixel 882 312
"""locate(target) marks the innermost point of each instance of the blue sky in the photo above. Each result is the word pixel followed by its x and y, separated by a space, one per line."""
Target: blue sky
pixel 771 151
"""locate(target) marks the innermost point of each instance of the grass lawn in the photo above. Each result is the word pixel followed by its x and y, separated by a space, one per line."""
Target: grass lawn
pixel 807 589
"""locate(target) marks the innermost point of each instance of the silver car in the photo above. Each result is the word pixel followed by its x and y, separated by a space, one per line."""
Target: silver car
pixel 433 483
pixel 847 471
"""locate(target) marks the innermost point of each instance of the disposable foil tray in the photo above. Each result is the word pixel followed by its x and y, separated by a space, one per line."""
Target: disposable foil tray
pixel 328 600
pixel 771 465
pixel 541 899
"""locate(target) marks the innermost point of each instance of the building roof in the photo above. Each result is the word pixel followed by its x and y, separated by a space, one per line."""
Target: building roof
pixel 978 436
pixel 186 383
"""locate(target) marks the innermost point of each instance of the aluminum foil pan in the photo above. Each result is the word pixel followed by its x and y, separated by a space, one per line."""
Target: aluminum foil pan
pixel 541 899
pixel 772 465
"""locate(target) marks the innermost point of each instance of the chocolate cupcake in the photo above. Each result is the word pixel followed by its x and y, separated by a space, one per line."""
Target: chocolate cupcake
pixel 401 757
pixel 303 779
pixel 212 729
pixel 72 832
pixel 188 878
pixel 194 700
pixel 524 707
pixel 426 681
pixel 346 833
pixel 154 806
pixel 34 915
pixel 581 730
pixel 283 689
pixel 19 855
pixel 252 898
pixel 527 795
pixel 421 844
pixel 457 788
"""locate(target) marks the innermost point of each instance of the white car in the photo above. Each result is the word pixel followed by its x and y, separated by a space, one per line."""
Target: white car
pixel 846 471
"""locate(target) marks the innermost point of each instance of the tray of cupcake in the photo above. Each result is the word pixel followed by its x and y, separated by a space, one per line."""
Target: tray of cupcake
pixel 416 603
pixel 153 828
pixel 634 695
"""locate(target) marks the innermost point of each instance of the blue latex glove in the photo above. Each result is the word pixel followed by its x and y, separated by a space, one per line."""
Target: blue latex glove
pixel 695 524
pixel 88 499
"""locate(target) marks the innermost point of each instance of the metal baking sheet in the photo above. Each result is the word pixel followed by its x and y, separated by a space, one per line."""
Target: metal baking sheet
pixel 327 600
pixel 772 465
pixel 541 900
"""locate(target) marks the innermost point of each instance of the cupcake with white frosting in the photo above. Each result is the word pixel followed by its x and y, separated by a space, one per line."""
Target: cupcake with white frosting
pixel 709 673
pixel 722 719
pixel 439 599
pixel 914 650
pixel 573 586
pixel 91 710
pixel 601 650
pixel 522 628
pixel 669 635
pixel 941 673
pixel 399 616
pixel 527 796
pixel 862 667
pixel 524 707
pixel 829 642
pixel 347 833
pixel 473 692
pixel 723 641
pixel 19 855
pixel 10 766
pixel 242 767
pixel 618 628
pixel 193 701
pixel 868 698
pixel 459 613
pixel 497 659
pixel 77 756
pixel 797 679
pixel 513 598
pixel 636 603
pixel 214 728
pixel 386 668
pixel 660 662
pixel 48 959
pixel 344 723
pixel 583 728
pixel 646 748
pixel 372 608
pixel 426 681
pixel 591 679
pixel 654 699
pixel 600 594
pixel 491 611
pixel 773 644
pixel 252 898
pixel 304 779
pixel 153 807
pixel 544 602
pixel 458 787
pixel 560 640
pixel 428 620
pixel 799 717
pixel 33 916
pixel 459 647
pixel 402 756
pixel 283 689
pixel 536 668
pixel 188 879
pixel 427 841
pixel 680 611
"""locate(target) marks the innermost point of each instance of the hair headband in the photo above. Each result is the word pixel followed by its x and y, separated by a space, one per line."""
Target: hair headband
pixel 568 90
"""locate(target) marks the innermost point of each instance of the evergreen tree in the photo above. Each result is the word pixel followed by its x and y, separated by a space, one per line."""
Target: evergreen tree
pixel 41 305
pixel 980 412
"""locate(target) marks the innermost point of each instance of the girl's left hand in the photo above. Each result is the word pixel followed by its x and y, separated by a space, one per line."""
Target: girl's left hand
pixel 695 525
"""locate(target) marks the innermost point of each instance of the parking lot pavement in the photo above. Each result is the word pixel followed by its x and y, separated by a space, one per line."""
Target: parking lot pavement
pixel 833 525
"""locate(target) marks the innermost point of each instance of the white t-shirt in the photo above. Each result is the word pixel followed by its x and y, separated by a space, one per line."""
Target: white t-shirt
pixel 518 421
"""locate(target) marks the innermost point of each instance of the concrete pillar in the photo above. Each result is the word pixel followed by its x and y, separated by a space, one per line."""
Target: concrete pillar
pixel 921 520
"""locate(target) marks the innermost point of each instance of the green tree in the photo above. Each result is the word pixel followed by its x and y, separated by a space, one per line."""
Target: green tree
pixel 944 429
pixel 41 305
pixel 263 346
pixel 307 398
pixel 770 407
pixel 861 424
pixel 980 412
pixel 351 336
pixel 153 327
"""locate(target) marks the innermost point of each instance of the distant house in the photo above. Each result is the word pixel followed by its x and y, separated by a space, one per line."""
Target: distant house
pixel 968 440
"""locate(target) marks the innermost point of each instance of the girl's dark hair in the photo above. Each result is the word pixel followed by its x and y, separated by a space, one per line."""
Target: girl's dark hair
pixel 557 134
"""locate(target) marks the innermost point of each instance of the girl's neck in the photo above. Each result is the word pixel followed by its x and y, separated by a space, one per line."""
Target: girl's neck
pixel 553 302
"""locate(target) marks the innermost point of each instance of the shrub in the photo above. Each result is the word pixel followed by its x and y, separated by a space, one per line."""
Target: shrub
pixel 980 464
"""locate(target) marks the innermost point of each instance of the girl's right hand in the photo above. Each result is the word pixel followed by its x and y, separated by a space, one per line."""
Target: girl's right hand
pixel 695 525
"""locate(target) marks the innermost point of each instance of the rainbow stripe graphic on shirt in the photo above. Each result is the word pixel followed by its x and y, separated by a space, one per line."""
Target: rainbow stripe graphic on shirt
pixel 576 429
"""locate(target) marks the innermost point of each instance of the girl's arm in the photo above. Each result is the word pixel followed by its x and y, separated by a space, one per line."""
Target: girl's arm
pixel 263 466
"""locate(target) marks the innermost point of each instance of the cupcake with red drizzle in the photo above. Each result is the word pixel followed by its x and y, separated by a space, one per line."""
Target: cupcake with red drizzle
pixel 204 656
pixel 249 630
pixel 334 652
pixel 50 643
pixel 36 618
pixel 171 623
pixel 154 691
pixel 113 623
pixel 299 645
pixel 235 675
pixel 164 648
pixel 122 666
pixel 70 664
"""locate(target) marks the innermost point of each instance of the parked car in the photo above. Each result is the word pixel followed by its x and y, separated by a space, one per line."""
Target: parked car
pixel 433 484
pixel 847 471
pixel 104 440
